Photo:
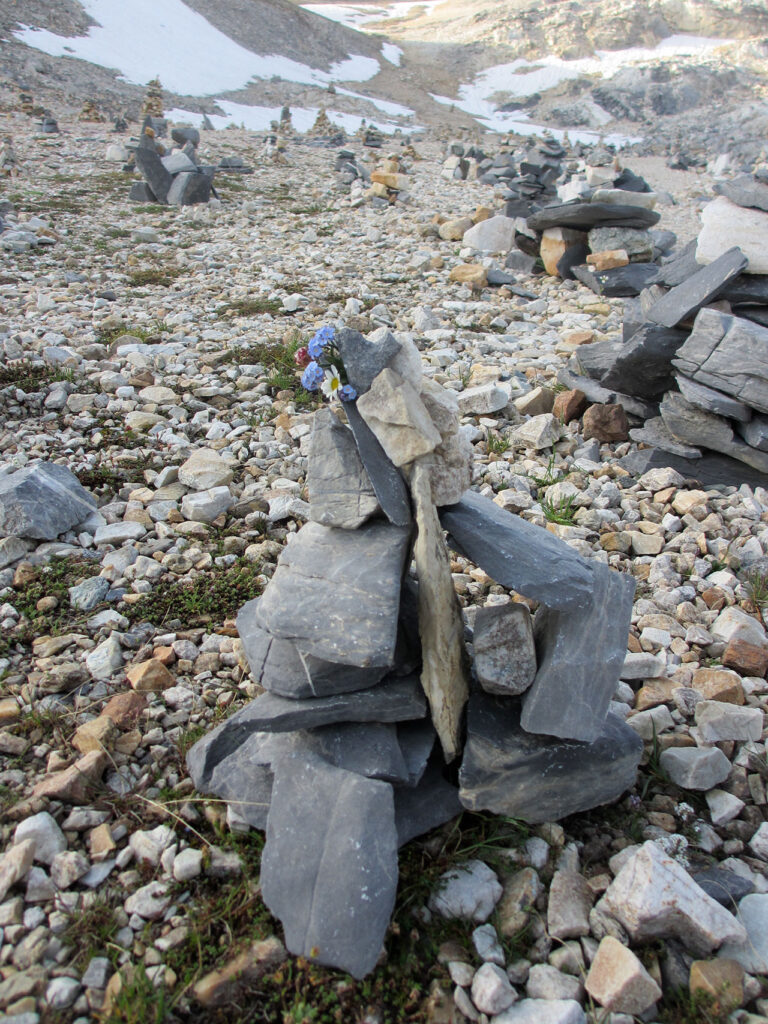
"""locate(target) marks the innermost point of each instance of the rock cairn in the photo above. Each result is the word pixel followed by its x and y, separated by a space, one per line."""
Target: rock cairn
pixel 90 112
pixel 175 178
pixel 351 750
pixel 153 99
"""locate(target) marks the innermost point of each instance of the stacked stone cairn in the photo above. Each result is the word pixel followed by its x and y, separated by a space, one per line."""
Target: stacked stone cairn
pixel 153 99
pixel 175 178
pixel 692 363
pixel 90 112
pixel 375 724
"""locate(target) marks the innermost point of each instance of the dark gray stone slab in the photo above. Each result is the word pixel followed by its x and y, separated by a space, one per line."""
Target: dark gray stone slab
pixel 183 133
pixel 583 216
pixel 710 470
pixel 340 490
pixel 595 360
pixel 386 479
pixel 636 408
pixel 619 282
pixel 744 191
pixel 141 193
pixel 755 433
pixel 747 289
pixel 329 866
pixel 757 314
pixel 643 365
pixel 680 268
pixel 724 886
pixel 504 651
pixel 156 176
pixel 704 286
pixel 663 241
pixel 280 667
pixel 364 360
pixel 580 656
pixel 42 501
pixel 337 593
pixel 431 803
pixel 712 400
pixel 628 181
pixel 521 261
pixel 698 427
pixel 417 740
pixel 371 749
pixel 573 257
pixel 244 777
pixel 190 188
pixel 728 354
pixel 512 772
pixel 517 554
pixel 656 433
pixel 633 318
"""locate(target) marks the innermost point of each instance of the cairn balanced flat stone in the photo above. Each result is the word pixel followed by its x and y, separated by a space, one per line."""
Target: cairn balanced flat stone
pixel 337 593
pixel 394 411
pixel 386 479
pixel 417 741
pixel 340 490
pixel 329 866
pixel 706 284
pixel 744 191
pixel 517 554
pixel 280 667
pixel 712 401
pixel 42 501
pixel 581 654
pixel 156 176
pixel 710 469
pixel 444 674
pixel 643 365
pixel 619 282
pixel 364 360
pixel 244 777
pixel 583 216
pixel 509 771
pixel 728 354
pixel 680 268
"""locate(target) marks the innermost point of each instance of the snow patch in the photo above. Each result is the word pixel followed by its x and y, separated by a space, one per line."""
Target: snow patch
pixel 385 106
pixel 257 119
pixel 391 53
pixel 144 37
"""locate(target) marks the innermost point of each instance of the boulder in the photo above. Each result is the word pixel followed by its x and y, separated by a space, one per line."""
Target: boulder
pixel 42 501
pixel 724 224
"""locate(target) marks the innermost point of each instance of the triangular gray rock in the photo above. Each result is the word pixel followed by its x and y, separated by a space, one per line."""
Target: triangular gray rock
pixel 151 166
pixel 42 501
pixel 364 360
pixel 705 285
pixel 340 490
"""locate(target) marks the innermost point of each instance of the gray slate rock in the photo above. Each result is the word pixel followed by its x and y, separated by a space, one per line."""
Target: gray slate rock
pixel 89 593
pixel 643 365
pixel 282 668
pixel 744 191
pixel 695 425
pixel 747 289
pixel 728 354
pixel 509 771
pixel 364 360
pixel 581 654
pixel 619 282
pixel 244 776
pixel 637 408
pixel 710 469
pixel 42 501
pixel 517 554
pixel 141 193
pixel 329 866
pixel 705 285
pixel 340 490
pixel 680 268
pixel 417 740
pixel 419 809
pixel 190 188
pixel 337 593
pixel 656 433
pixel 386 479
pixel 712 401
pixel 583 216
pixel 724 886
pixel 156 176
pixel 505 655
pixel 755 433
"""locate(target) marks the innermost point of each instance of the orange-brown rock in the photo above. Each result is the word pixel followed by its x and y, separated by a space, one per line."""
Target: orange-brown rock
pixel 569 405
pixel 150 676
pixel 165 655
pixel 125 708
pixel 579 337
pixel 722 979
pixel 471 274
pixel 746 657
pixel 718 684
pixel 397 182
pixel 607 423
pixel 608 259
pixel 482 213
pixel 453 230
pixel 77 784
pixel 554 244
pixel 96 734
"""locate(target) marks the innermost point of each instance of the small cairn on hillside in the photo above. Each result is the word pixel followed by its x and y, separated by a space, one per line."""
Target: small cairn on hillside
pixel 175 178
pixel 378 721
pixel 153 99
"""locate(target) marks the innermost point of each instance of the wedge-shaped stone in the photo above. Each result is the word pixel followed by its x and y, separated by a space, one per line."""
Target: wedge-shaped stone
pixel 419 809
pixel 654 897
pixel 618 282
pixel 155 175
pixel 744 191
pixel 728 354
pixel 329 866
pixel 581 654
pixel 386 479
pixel 280 667
pixel 363 359
pixel 340 490
pixel 42 501
pixel 510 771
pixel 394 411
pixel 337 593
pixel 705 285
pixel 713 401
pixel 695 426
pixel 444 673
pixel 643 365
pixel 517 554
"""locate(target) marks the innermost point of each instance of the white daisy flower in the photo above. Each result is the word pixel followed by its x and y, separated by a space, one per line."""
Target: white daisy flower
pixel 332 383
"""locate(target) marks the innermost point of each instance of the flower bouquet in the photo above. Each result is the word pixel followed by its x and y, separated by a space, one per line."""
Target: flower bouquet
pixel 320 360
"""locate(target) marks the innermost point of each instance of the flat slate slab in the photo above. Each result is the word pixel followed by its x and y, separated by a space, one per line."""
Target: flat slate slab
pixel 619 282
pixel 712 400
pixel 386 479
pixel 509 771
pixel 744 191
pixel 329 866
pixel 696 426
pixel 728 354
pixel 581 654
pixel 340 490
pixel 747 289
pixel 704 286
pixel 680 268
pixel 337 593
pixel 156 176
pixel 282 668
pixel 42 501
pixel 638 408
pixel 643 365
pixel 583 216
pixel 517 554
pixel 711 469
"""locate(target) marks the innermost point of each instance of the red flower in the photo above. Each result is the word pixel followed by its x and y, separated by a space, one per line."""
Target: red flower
pixel 302 357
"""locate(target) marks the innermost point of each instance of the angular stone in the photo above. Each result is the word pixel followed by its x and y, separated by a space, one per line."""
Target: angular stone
pixel 226 985
pixel 555 243
pixel 745 190
pixel 95 734
pixel 363 359
pixel 150 676
pixel 636 242
pixel 725 887
pixel 468 892
pixel 517 554
pixel 620 282
pixel 282 668
pixel 584 216
pixel 444 672
pixel 646 199
pixel 86 595
pixel 156 176
pixel 682 302
pixel 512 772
pixel 654 897
pixel 329 866
pixel 76 784
pixel 205 469
pixel 387 481
pixel 711 400
pixel 482 400
pixel 42 501
pixel 695 767
pixel 581 656
pixel 429 804
pixel 643 365
pixel 755 433
pixel 15 863
pixel 724 224
pixel 205 506
pixel 471 274
pixel 495 234
pixel 570 901
pixel 450 469
pixel 750 949
pixel 337 593
pixel 505 655
pixel 606 423
pixel 542 1011
pixel 547 982
pixel 190 188
pixel 48 838
pixel 719 979
pixel 491 990
pixel 717 721
pixel 618 981
pixel 688 423
pixel 521 891
pixel 396 414
pixel 340 490
pixel 569 405
pixel 596 393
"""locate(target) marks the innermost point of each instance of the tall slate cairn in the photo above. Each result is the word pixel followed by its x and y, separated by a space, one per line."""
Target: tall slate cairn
pixel 376 724
pixel 691 367
pixel 175 178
